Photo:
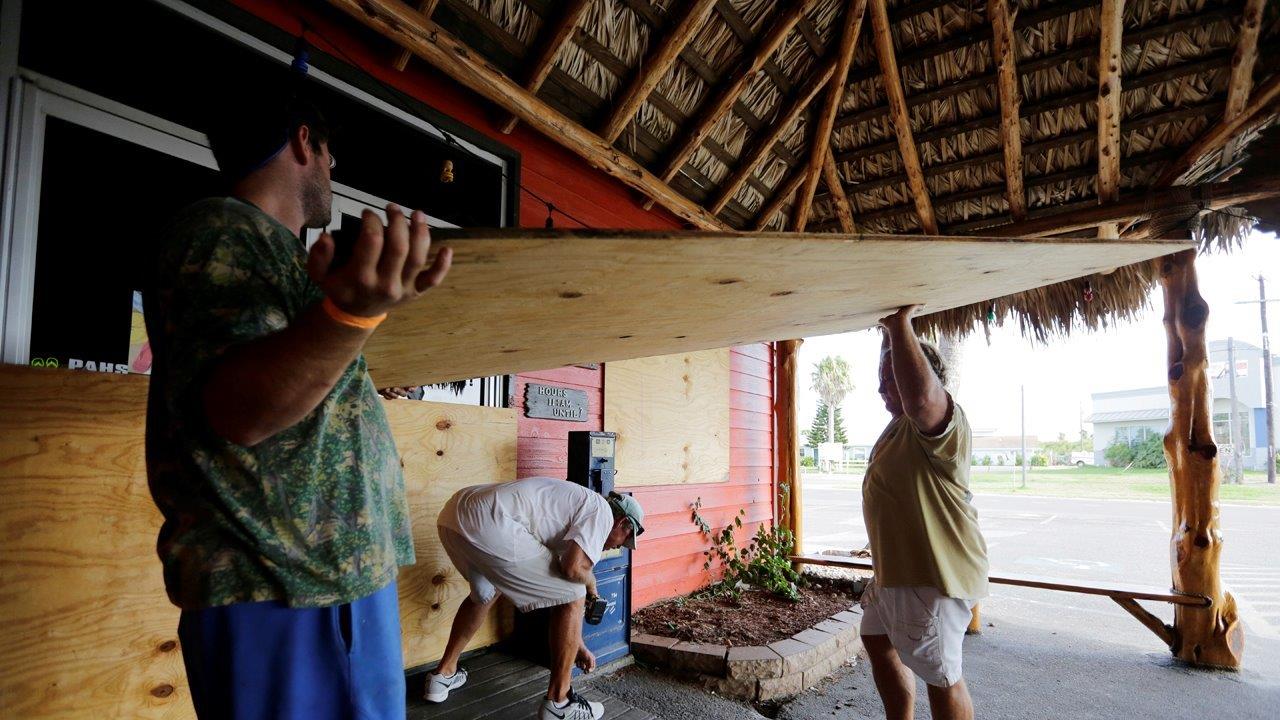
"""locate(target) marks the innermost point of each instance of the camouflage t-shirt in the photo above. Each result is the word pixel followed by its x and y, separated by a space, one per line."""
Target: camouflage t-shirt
pixel 314 515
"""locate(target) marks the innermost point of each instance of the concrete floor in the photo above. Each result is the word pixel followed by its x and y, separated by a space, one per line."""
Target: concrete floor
pixel 1044 654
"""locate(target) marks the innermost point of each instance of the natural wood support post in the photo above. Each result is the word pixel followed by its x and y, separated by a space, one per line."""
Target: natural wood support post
pixel 786 437
pixel 1211 636
pixel 975 621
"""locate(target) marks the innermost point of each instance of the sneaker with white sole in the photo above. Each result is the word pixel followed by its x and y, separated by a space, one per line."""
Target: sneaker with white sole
pixel 439 686
pixel 575 707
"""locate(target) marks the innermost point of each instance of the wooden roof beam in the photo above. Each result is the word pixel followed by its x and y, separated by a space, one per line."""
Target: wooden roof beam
pixel 398 22
pixel 727 92
pixel 427 8
pixel 1264 100
pixel 1084 49
pixel 899 115
pixel 835 186
pixel 1138 207
pixel 1004 47
pixel 820 132
pixel 654 67
pixel 549 42
pixel 747 163
pixel 1111 29
pixel 1242 62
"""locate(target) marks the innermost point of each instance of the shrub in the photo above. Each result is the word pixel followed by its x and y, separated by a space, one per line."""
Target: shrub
pixel 807 461
pixel 1000 460
pixel 1146 454
pixel 1039 460
pixel 986 460
pixel 764 563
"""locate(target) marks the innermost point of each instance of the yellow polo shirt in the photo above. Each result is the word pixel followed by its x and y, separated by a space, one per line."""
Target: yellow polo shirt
pixel 916 504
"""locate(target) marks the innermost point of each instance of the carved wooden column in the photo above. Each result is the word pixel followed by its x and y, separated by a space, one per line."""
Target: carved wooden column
pixel 787 436
pixel 1210 636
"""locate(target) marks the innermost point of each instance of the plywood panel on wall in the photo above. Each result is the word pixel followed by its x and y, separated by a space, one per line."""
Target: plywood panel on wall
pixel 444 448
pixel 598 296
pixel 671 414
pixel 88 629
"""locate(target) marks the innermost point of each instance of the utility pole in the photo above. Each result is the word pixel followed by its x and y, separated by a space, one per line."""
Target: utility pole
pixel 1267 387
pixel 1233 417
pixel 1022 392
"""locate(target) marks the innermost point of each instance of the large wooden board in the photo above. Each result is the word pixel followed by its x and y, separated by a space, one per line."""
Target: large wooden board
pixel 88 629
pixel 444 448
pixel 519 300
pixel 671 414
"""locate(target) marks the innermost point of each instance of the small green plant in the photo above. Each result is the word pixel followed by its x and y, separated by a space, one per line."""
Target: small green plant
pixel 764 563
pixel 1039 461
pixel 807 461
pixel 1000 460
pixel 986 460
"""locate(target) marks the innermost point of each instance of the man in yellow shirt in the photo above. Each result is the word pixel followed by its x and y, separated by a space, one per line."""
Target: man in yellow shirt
pixel 929 556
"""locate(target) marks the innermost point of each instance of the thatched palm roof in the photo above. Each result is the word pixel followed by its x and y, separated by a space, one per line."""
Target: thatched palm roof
pixel 954 116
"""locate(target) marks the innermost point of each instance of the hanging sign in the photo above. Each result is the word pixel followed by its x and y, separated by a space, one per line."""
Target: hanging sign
pixel 555 403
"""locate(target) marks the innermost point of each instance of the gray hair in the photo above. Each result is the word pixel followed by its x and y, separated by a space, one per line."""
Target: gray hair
pixel 931 354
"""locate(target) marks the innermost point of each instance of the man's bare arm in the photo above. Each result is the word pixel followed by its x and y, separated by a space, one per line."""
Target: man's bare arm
pixel 269 384
pixel 924 400
pixel 577 567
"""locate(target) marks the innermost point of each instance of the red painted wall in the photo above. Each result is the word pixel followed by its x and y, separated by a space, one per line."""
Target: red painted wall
pixel 668 561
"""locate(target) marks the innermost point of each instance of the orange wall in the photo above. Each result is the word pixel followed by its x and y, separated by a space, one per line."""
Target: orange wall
pixel 669 559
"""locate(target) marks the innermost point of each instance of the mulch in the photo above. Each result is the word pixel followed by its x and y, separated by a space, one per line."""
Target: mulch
pixel 755 618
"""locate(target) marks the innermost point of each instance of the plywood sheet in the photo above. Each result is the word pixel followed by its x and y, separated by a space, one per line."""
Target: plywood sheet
pixel 444 448
pixel 520 300
pixel 88 629
pixel 671 414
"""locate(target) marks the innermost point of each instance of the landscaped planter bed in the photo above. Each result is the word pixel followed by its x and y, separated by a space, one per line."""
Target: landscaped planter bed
pixel 760 647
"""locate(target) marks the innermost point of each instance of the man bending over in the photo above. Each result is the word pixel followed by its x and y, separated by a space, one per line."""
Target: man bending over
pixel 536 541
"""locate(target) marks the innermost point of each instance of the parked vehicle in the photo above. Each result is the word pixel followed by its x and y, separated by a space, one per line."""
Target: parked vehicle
pixel 1081 458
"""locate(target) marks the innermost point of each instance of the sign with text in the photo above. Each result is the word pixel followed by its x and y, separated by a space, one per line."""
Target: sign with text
pixel 555 403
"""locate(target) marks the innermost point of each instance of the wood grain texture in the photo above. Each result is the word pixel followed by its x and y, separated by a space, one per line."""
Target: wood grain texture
pixel 598 296
pixel 1212 636
pixel 790 498
pixel 1243 59
pixel 89 629
pixel 444 448
pixel 426 7
pixel 900 116
pixel 399 23
pixel 671 414
pixel 785 191
pixel 839 198
pixel 1005 49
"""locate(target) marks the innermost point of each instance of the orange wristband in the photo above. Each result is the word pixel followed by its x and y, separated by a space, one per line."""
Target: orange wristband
pixel 343 317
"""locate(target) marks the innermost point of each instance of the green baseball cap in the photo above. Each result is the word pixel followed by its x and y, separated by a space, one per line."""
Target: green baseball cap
pixel 628 507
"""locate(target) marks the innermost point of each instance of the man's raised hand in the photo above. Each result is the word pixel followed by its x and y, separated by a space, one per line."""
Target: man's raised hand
pixel 388 265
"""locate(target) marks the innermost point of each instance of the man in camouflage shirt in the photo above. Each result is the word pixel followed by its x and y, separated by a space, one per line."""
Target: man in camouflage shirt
pixel 268 450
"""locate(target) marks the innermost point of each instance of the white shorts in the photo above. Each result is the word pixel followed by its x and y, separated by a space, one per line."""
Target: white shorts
pixel 529 584
pixel 925 627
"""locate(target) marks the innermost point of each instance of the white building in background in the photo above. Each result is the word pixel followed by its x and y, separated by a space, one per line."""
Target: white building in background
pixel 1133 415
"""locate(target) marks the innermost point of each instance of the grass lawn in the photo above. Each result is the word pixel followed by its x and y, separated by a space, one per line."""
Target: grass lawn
pixel 1099 482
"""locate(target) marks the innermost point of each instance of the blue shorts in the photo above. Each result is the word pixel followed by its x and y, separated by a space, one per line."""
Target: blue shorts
pixel 266 661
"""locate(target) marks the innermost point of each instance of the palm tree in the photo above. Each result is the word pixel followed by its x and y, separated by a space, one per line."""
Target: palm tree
pixel 831 379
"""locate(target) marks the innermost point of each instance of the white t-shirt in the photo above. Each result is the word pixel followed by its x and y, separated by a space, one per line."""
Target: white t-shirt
pixel 498 519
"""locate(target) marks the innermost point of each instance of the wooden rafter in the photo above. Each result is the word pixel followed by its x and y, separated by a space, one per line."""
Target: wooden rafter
pixel 550 40
pixel 784 192
pixel 1143 206
pixel 820 133
pixel 1004 47
pixel 1111 25
pixel 653 68
pixel 432 43
pixel 427 8
pixel 773 132
pixel 1263 101
pixel 727 92
pixel 839 200
pixel 899 115
pixel 1242 62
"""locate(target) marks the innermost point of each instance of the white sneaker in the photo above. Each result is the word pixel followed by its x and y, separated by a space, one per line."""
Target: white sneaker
pixel 575 707
pixel 438 686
